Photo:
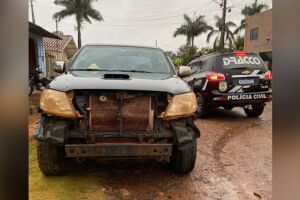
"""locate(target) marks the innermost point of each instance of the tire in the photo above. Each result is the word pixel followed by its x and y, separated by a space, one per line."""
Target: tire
pixel 183 158
pixel 202 106
pixel 254 111
pixel 30 90
pixel 51 159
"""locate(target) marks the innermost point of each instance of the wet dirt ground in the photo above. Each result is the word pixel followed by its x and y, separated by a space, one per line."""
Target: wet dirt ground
pixel 234 161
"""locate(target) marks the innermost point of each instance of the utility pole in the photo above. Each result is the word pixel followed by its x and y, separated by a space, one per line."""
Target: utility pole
pixel 223 25
pixel 56 25
pixel 32 13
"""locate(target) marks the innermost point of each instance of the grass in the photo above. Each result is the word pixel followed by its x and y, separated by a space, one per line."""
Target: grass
pixel 80 185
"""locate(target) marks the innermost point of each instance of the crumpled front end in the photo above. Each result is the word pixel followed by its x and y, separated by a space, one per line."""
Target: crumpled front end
pixel 118 124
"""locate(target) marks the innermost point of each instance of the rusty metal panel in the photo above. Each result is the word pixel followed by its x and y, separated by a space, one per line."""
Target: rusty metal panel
pixel 117 113
pixel 117 150
pixel 135 114
pixel 103 114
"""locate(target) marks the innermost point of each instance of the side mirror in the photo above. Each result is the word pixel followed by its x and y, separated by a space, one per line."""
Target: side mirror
pixel 184 71
pixel 58 67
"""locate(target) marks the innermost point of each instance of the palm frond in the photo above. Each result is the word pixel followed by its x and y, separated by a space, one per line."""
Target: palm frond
pixel 216 43
pixel 62 14
pixel 239 29
pixel 62 2
pixel 86 18
pixel 95 14
pixel 230 24
pixel 210 34
pixel 187 19
pixel 181 31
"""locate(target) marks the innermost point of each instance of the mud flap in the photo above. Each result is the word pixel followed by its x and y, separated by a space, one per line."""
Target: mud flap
pixel 52 131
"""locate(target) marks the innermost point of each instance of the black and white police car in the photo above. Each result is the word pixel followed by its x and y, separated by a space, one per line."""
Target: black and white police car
pixel 230 80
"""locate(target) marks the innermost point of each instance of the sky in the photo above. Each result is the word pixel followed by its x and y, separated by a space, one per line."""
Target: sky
pixel 139 22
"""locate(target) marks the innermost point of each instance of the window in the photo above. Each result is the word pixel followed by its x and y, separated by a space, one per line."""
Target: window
pixel 208 64
pixel 201 65
pixel 194 67
pixel 254 34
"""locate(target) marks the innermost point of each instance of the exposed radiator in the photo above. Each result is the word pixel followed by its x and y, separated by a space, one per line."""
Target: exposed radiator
pixel 120 112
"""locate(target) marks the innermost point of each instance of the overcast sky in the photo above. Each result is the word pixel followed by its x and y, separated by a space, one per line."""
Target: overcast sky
pixel 139 22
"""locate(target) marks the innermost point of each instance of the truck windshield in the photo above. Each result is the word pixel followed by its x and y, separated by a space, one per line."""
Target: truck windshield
pixel 120 58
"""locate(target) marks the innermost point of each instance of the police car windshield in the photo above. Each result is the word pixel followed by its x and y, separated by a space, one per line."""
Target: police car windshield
pixel 248 61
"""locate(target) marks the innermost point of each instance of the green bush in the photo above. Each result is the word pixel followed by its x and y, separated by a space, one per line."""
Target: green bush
pixel 186 54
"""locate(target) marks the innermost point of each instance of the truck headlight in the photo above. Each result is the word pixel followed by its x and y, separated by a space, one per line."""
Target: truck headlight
pixel 58 103
pixel 181 105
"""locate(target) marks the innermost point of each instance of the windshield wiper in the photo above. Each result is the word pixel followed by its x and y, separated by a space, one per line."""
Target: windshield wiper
pixel 139 71
pixel 107 70
pixel 89 69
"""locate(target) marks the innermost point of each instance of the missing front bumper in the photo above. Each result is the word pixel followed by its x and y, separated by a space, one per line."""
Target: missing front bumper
pixel 117 150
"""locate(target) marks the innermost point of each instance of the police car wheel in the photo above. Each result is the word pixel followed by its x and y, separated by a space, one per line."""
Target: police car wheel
pixel 202 106
pixel 254 110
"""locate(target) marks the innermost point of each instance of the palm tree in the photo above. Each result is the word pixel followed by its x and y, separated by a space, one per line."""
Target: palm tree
pixel 253 9
pixel 239 43
pixel 192 28
pixel 229 36
pixel 83 11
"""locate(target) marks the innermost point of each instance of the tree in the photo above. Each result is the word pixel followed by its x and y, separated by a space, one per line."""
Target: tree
pixel 192 28
pixel 207 50
pixel 253 9
pixel 81 9
pixel 171 54
pixel 229 36
pixel 239 43
pixel 186 53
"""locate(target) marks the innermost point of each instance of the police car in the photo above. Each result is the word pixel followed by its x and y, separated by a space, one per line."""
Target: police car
pixel 230 80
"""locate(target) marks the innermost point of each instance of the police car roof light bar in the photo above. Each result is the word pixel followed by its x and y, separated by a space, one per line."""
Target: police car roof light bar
pixel 240 53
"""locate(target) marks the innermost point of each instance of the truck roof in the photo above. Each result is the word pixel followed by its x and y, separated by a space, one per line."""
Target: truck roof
pixel 121 45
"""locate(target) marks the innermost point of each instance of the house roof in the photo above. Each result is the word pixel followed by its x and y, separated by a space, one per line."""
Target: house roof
pixel 66 43
pixel 52 44
pixel 33 28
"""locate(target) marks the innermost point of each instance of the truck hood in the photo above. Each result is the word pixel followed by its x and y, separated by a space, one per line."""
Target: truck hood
pixel 67 82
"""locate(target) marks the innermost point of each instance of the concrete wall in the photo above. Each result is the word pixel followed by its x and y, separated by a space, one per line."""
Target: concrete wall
pixel 262 21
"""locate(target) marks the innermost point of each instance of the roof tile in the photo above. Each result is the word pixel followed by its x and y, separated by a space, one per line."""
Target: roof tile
pixel 52 44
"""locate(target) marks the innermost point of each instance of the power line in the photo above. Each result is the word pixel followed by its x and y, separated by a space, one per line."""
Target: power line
pixel 166 14
pixel 220 4
pixel 151 19
pixel 156 18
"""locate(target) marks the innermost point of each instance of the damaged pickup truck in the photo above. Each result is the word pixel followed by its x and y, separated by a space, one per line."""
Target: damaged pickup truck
pixel 115 101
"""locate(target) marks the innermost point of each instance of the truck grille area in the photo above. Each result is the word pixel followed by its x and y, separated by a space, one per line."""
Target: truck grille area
pixel 120 112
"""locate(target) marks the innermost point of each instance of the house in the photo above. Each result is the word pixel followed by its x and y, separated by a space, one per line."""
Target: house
pixel 58 50
pixel 36 47
pixel 258 35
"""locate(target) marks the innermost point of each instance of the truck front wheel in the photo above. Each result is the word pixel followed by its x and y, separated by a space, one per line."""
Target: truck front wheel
pixel 51 159
pixel 184 157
